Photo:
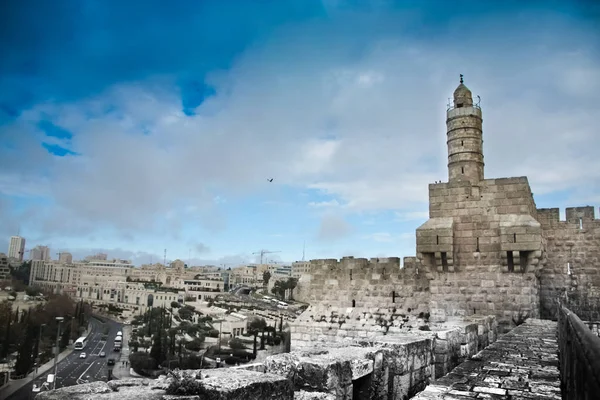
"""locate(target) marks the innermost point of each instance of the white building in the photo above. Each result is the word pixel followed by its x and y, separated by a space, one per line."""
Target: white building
pixel 66 258
pixel 16 247
pixel 40 253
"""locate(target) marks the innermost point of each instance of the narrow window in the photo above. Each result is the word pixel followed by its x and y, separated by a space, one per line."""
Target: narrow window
pixel 510 261
pixel 580 223
pixel 350 274
pixel 462 170
pixel 444 261
pixel 462 143
pixel 437 239
pixel 353 303
pixel 514 238
pixel 477 250
pixel 393 296
pixel 523 260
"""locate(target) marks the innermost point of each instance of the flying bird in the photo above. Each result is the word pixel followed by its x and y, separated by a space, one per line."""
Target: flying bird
pixel 270 180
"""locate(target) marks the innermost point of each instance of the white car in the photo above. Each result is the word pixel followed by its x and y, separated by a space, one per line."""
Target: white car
pixel 82 355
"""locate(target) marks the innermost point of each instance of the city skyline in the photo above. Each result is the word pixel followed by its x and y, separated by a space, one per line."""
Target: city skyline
pixel 126 141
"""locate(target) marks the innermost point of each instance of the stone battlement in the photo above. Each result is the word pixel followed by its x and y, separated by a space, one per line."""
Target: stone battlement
pixel 581 217
pixel 379 264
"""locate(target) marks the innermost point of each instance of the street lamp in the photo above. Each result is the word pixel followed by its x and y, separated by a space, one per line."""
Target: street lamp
pixel 37 356
pixel 60 320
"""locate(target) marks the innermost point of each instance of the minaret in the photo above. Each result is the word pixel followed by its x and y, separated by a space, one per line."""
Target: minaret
pixel 465 137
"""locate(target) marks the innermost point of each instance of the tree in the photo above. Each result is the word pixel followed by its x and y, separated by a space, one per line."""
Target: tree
pixel 24 361
pixel 291 284
pixel 266 278
pixel 256 326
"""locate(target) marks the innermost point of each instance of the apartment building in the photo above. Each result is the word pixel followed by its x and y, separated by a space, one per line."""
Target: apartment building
pixel 4 267
pixel 300 268
pixel 16 248
pixel 40 253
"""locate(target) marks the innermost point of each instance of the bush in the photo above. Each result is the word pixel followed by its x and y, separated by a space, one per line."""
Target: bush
pixel 233 360
pixel 213 333
pixel 195 345
pixel 29 291
pixel 142 363
pixel 188 385
pixel 175 304
pixel 236 343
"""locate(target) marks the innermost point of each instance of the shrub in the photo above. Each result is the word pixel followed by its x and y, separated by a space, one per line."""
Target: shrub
pixel 142 363
pixel 236 343
pixel 175 304
pixel 188 385
pixel 195 345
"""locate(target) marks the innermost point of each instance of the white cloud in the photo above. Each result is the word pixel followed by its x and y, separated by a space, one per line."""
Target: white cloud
pixel 384 109
pixel 324 204
pixel 333 227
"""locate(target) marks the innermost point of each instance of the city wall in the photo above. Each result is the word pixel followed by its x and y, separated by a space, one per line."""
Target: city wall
pixel 572 270
pixel 549 258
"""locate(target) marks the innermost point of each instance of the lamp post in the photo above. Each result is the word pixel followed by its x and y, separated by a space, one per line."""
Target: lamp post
pixel 60 320
pixel 37 356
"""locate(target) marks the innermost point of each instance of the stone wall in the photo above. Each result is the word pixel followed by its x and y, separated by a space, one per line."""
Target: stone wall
pixel 579 355
pixel 369 369
pixel 477 224
pixel 572 270
pixel 361 283
pixel 485 291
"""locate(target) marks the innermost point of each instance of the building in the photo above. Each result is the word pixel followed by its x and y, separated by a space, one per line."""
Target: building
pixel 65 257
pixel 4 267
pixel 485 249
pixel 16 248
pixel 40 253
pixel 300 268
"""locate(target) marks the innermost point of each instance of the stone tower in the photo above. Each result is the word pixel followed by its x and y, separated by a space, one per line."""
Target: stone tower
pixel 465 137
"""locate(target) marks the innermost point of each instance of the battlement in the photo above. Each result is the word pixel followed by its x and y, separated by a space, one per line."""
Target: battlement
pixel 580 217
pixel 358 265
pixel 518 180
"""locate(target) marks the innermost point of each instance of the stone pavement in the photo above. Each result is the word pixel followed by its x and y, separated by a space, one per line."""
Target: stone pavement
pixel 523 364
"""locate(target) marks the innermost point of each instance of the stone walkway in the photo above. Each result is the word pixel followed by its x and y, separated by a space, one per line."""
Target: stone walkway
pixel 523 364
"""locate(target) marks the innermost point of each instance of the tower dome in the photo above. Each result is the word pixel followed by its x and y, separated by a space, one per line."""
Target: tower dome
pixel 462 95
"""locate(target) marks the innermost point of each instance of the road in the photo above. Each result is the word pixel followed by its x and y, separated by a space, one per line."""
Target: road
pixel 73 370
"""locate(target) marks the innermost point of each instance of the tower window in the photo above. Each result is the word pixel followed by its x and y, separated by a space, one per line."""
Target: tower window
pixel 459 105
pixel 477 250
pixel 462 142
pixel 437 239
pixel 462 170
pixel 353 303
pixel 510 261
pixel 444 262
pixel 514 238
pixel 580 223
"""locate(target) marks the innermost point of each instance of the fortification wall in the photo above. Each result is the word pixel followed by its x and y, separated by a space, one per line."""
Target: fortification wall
pixel 476 225
pixel 508 296
pixel 572 269
pixel 358 282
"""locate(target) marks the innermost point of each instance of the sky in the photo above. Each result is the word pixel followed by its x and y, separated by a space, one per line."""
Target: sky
pixel 133 127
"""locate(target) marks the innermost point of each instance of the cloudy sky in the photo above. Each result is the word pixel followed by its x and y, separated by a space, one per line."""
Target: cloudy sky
pixel 130 127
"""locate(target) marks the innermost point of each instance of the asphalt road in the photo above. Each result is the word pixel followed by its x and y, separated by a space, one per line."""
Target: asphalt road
pixel 73 370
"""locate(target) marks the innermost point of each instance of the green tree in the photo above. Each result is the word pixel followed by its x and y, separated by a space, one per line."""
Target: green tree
pixel 24 361
pixel 266 278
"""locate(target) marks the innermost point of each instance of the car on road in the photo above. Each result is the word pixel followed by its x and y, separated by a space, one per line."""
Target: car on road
pixel 82 355
pixel 102 354
pixel 111 361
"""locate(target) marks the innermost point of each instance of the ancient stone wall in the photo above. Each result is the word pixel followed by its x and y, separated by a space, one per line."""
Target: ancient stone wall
pixel 478 224
pixel 573 262
pixel 511 297
pixel 361 283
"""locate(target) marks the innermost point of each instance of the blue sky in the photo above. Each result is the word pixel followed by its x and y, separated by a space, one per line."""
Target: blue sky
pixel 134 127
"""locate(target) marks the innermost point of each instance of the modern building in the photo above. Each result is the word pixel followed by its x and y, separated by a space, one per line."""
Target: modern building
pixel 40 253
pixel 4 268
pixel 65 257
pixel 16 247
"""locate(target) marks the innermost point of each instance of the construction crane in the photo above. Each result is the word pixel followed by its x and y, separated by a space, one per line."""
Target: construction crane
pixel 263 252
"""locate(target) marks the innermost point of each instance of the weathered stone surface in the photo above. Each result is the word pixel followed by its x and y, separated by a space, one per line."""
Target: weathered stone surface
pixel 302 395
pixel 521 364
pixel 230 384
